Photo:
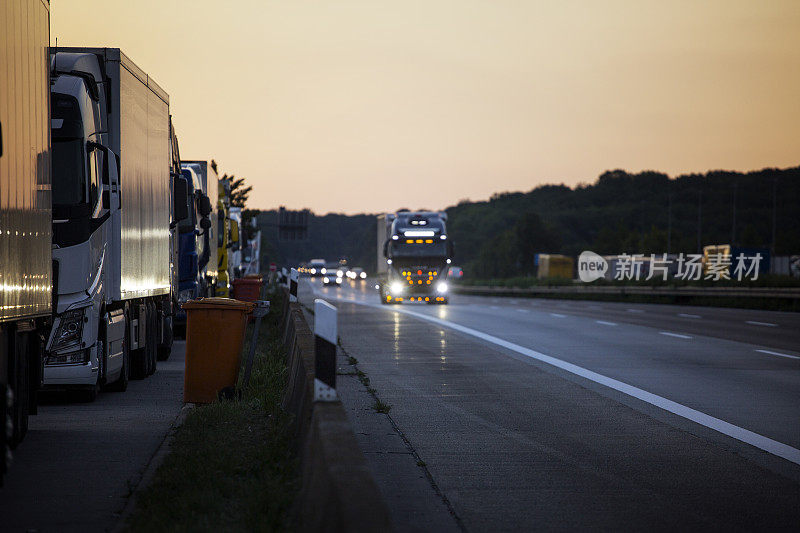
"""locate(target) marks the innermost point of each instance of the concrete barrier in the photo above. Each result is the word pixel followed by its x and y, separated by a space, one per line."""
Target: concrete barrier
pixel 338 492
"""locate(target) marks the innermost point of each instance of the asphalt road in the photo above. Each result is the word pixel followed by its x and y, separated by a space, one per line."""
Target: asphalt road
pixel 534 413
pixel 80 461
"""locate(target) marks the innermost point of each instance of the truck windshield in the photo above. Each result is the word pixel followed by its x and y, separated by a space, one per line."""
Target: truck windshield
pixel 69 187
pixel 403 248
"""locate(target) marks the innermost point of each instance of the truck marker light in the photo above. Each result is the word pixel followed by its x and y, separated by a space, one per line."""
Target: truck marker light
pixel 443 237
pixel 427 299
pixel 428 241
pixel 419 272
pixel 395 237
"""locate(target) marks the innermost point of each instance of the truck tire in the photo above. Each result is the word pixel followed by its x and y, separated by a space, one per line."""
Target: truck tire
pixel 164 350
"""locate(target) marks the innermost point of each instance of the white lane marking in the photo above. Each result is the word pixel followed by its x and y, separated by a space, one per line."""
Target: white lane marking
pixel 634 310
pixel 493 307
pixel 768 324
pixel 558 315
pixel 726 428
pixel 772 446
pixel 523 311
pixel 688 315
pixel 606 323
pixel 678 335
pixel 779 354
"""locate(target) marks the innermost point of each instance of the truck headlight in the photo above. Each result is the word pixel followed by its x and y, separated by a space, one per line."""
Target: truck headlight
pixel 70 330
pixel 441 287
pixel 339 273
pixel 81 356
pixel 339 281
pixel 185 295
pixel 363 275
pixel 396 287
pixel 326 279
pixel 323 270
pixel 313 271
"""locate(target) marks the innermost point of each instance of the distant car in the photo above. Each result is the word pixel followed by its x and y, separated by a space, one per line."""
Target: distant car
pixel 333 277
pixel 455 272
pixel 317 267
pixel 356 274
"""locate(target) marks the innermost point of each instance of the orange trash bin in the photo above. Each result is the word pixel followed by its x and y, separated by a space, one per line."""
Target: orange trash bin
pixel 215 330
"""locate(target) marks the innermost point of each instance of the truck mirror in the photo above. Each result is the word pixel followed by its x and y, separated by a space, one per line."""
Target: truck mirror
pixel 180 198
pixel 205 224
pixel 204 206
pixel 106 198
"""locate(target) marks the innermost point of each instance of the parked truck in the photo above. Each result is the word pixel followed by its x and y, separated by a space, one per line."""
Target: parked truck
pixel 205 242
pixel 195 235
pixel 224 273
pixel 112 207
pixel 413 256
pixel 25 232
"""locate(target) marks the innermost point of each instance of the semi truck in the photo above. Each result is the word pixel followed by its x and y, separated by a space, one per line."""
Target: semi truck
pixel 413 255
pixel 25 214
pixel 235 253
pixel 194 244
pixel 206 239
pixel 224 273
pixel 112 206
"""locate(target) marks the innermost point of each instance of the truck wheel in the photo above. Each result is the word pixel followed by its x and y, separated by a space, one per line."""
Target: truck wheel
pixel 164 350
pixel 20 405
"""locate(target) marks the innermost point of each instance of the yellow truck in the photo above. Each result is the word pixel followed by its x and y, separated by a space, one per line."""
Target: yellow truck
pixel 554 266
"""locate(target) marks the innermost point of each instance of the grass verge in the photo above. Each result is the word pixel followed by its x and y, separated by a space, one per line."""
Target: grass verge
pixel 230 467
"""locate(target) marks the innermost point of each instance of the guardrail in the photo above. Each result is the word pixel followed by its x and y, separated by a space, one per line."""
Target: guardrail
pixel 623 290
pixel 338 492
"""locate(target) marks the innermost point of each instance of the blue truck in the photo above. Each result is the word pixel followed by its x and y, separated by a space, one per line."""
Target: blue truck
pixel 196 242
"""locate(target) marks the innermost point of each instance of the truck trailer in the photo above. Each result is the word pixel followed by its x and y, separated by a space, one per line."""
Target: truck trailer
pixel 112 207
pixel 413 256
pixel 25 232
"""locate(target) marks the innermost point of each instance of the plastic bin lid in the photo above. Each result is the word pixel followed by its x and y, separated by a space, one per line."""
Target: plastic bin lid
pixel 219 303
pixel 247 281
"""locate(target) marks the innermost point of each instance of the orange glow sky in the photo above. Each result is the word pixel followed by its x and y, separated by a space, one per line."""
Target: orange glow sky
pixel 366 106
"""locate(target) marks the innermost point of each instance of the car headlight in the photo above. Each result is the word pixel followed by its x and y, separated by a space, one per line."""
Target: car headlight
pixel 441 287
pixel 339 273
pixel 363 275
pixel 313 270
pixel 339 280
pixel 323 270
pixel 185 295
pixel 396 287
pixel 326 279
pixel 70 330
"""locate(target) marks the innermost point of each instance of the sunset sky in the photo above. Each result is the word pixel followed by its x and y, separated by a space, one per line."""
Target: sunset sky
pixel 367 106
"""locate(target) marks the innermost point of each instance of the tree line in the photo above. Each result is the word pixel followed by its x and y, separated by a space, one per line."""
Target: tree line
pixel 646 212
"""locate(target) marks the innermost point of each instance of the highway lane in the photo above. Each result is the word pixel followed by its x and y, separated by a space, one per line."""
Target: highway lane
pixel 79 462
pixel 513 441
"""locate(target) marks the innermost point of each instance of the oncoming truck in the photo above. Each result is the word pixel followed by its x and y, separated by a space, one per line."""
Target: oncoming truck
pixel 413 255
